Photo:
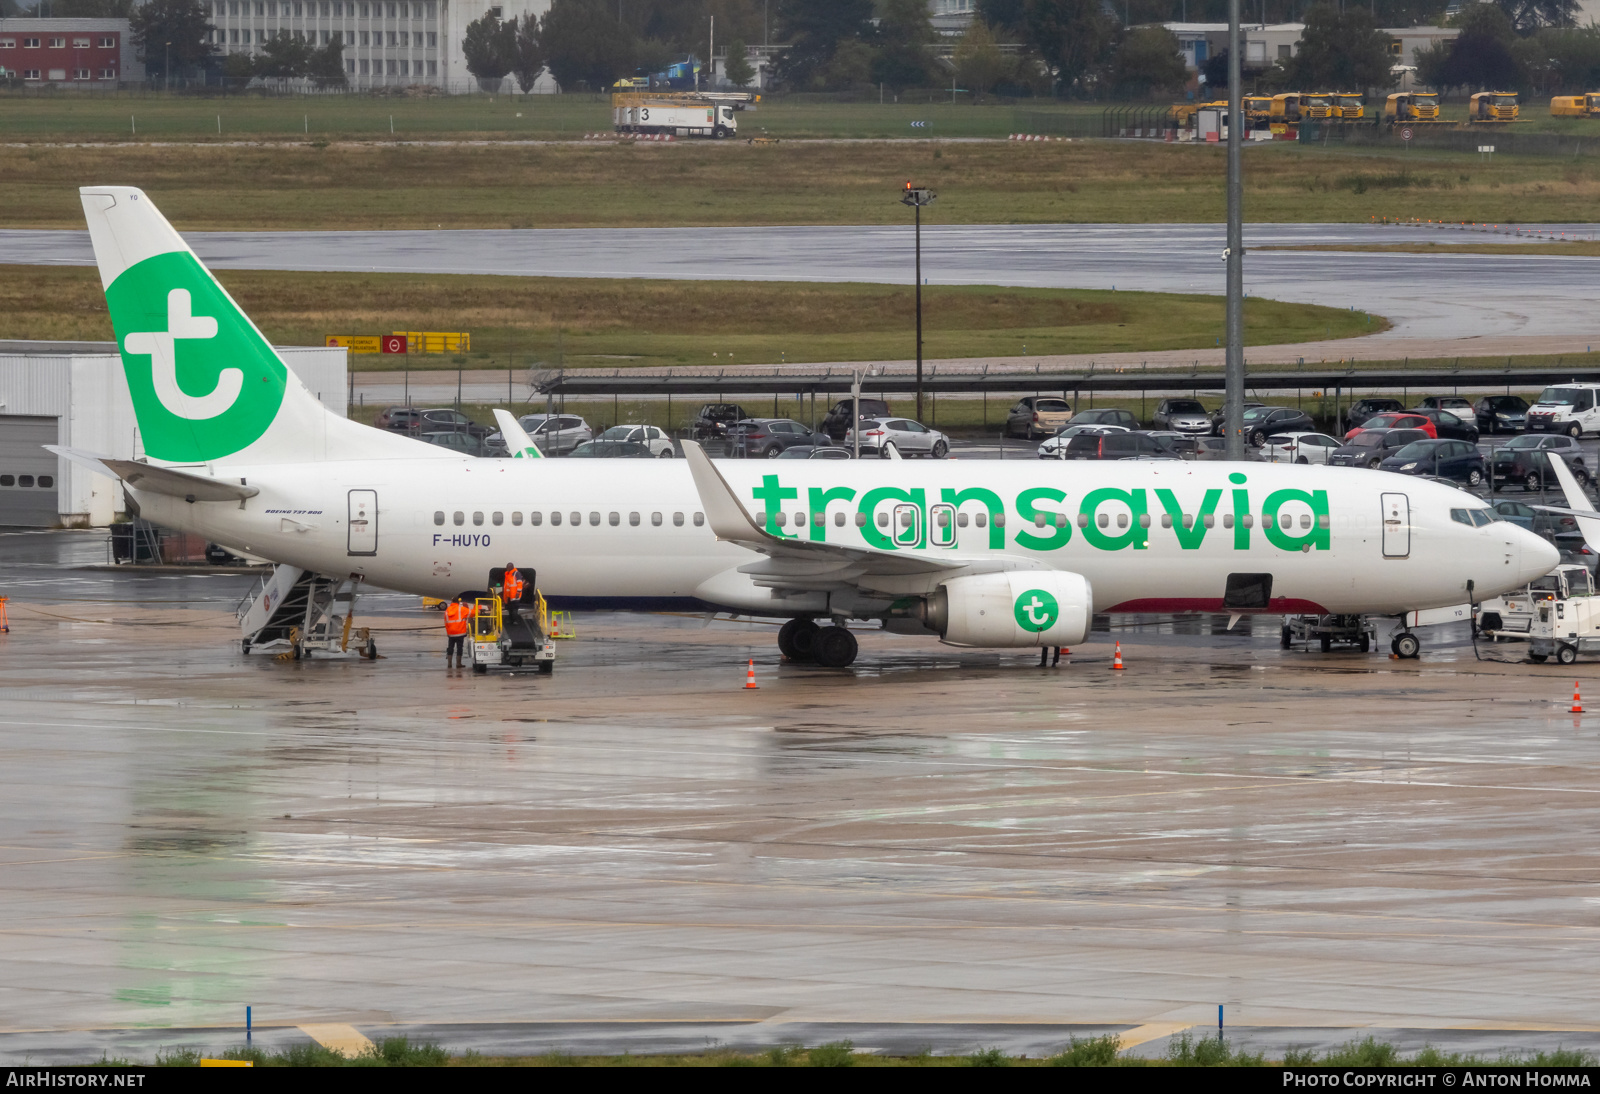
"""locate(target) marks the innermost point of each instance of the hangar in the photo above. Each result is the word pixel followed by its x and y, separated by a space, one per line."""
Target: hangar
pixel 74 394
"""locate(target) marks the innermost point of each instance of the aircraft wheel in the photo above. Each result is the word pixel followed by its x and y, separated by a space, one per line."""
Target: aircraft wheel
pixel 836 647
pixel 1327 643
pixel 244 645
pixel 1285 636
pixel 1407 645
pixel 371 651
pixel 1366 644
pixel 1566 655
pixel 797 640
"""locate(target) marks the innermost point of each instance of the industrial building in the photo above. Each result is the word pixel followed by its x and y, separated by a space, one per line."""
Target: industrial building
pixel 75 394
pixel 91 53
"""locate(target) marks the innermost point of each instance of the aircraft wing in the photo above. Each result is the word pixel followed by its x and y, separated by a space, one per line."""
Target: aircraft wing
pixel 518 443
pixel 803 565
pixel 159 480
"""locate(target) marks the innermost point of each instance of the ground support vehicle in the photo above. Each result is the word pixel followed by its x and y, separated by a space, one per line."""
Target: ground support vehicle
pixel 1487 107
pixel 299 614
pixel 513 638
pixel 1411 108
pixel 1568 623
pixel 1328 631
pixel 680 114
pixel 1576 106
pixel 1257 110
pixel 1510 617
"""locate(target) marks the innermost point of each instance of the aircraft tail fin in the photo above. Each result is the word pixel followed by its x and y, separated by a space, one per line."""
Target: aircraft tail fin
pixel 206 385
pixel 518 443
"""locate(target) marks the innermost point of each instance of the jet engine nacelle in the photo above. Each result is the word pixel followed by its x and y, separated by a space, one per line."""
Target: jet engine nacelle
pixel 1011 610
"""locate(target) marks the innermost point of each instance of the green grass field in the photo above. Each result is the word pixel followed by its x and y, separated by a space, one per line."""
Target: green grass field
pixel 578 322
pixel 379 185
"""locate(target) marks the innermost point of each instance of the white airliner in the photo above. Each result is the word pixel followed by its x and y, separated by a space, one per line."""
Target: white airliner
pixel 976 553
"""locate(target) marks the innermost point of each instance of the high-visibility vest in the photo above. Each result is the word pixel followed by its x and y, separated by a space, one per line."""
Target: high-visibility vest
pixel 513 586
pixel 456 616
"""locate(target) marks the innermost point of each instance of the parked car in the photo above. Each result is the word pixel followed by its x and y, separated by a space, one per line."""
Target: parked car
pixel 1261 422
pixel 1459 405
pixel 1036 416
pixel 1525 459
pixel 1449 424
pixel 1403 419
pixel 1109 415
pixel 611 450
pixel 815 452
pixel 1362 409
pixel 1050 449
pixel 1538 521
pixel 400 419
pixel 766 438
pixel 1218 414
pixel 836 423
pixel 1181 416
pixel 464 443
pixel 440 419
pixel 711 421
pixel 1211 448
pixel 1445 458
pixel 1501 413
pixel 1370 447
pixel 1112 446
pixel 556 434
pixel 1186 446
pixel 905 436
pixel 656 440
pixel 1300 447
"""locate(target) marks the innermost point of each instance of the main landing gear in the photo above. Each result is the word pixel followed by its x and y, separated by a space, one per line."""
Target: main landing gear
pixel 831 647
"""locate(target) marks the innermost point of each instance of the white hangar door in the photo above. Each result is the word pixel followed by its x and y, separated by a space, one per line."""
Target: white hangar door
pixel 29 494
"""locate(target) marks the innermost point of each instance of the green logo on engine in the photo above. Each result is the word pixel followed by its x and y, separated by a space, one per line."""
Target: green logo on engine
pixel 1036 610
pixel 203 380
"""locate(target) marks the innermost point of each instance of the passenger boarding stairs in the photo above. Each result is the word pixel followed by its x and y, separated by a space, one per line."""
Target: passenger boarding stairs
pixel 301 612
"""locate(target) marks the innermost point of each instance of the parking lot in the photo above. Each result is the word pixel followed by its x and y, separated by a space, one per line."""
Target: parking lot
pixel 950 847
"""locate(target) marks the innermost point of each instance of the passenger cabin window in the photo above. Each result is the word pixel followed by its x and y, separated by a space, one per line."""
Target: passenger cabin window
pixel 459 518
pixel 577 518
pixel 677 520
pixel 633 520
pixel 477 519
pixel 655 520
pixel 516 518
pixel 555 519
pixel 699 520
pixel 497 519
pixel 535 519
pixel 438 517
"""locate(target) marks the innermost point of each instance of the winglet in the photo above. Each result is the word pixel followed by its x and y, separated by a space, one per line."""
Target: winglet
pixel 518 443
pixel 1576 501
pixel 728 518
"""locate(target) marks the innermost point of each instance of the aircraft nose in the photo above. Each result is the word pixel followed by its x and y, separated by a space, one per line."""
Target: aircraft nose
pixel 1538 555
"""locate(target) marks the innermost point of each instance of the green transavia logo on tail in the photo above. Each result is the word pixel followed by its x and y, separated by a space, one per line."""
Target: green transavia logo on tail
pixel 1036 610
pixel 204 383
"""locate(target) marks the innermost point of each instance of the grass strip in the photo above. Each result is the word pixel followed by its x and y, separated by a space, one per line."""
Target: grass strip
pixel 521 322
pixel 1570 248
pixel 379 184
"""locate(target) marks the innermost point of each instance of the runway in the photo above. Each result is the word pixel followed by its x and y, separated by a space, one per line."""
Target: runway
pixel 951 839
pixel 1430 298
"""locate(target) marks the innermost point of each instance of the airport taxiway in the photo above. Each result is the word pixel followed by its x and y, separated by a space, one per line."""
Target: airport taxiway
pixel 638 852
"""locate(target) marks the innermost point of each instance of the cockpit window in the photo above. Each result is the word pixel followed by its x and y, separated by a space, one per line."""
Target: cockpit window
pixel 1482 517
pixel 1461 516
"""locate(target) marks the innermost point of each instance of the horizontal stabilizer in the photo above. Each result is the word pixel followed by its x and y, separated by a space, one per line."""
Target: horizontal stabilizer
pixel 159 480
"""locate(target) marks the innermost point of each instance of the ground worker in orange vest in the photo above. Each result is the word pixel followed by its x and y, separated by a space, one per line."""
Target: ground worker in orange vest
pixel 457 619
pixel 512 585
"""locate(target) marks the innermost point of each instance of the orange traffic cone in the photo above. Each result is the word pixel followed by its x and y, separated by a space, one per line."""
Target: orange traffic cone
pixel 1577 703
pixel 750 677
pixel 1116 657
pixel 5 624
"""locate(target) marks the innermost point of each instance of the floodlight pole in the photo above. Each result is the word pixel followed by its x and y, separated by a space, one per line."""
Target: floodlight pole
pixel 917 198
pixel 1233 413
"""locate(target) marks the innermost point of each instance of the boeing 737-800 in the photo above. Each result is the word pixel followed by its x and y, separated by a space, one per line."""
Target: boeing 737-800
pixel 976 553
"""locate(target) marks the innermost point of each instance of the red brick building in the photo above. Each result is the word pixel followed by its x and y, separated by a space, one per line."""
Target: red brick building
pixel 76 52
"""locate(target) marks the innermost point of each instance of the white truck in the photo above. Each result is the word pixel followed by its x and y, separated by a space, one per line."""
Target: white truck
pixel 1573 409
pixel 682 114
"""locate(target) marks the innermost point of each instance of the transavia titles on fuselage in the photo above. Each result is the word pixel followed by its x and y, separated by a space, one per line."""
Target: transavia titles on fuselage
pixel 990 554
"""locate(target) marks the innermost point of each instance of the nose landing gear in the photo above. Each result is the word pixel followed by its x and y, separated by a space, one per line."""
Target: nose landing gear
pixel 1406 645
